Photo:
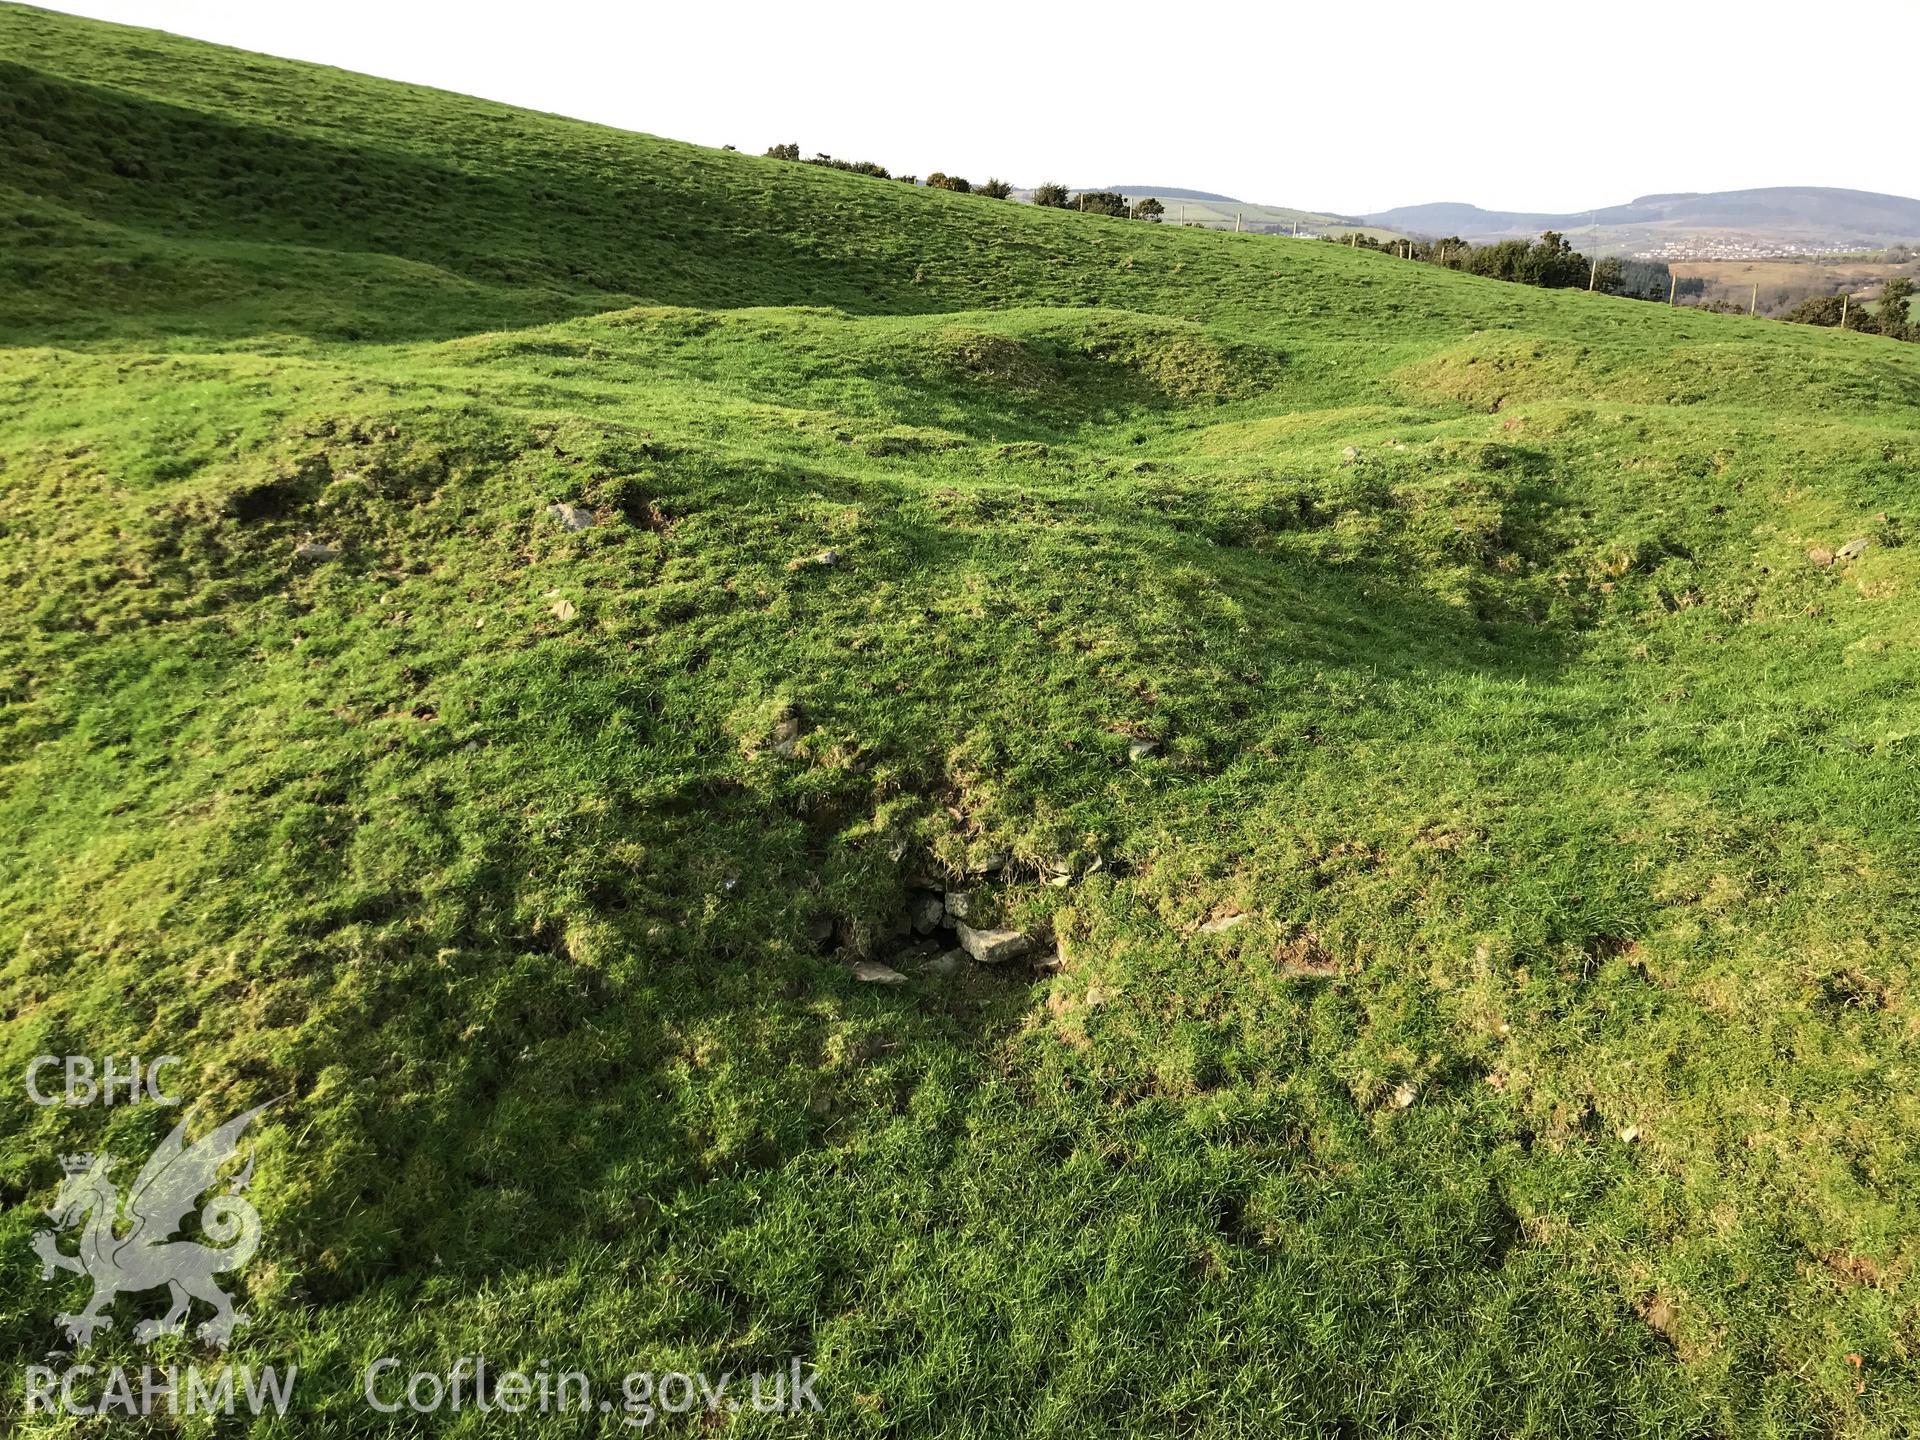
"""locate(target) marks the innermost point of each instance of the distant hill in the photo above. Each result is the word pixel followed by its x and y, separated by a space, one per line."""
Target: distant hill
pixel 1169 192
pixel 1223 212
pixel 1787 217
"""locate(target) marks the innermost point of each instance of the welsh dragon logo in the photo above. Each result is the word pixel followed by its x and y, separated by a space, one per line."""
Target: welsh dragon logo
pixel 130 1245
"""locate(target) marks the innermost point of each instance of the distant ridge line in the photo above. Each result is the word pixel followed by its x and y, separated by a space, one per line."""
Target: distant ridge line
pixel 1806 213
pixel 1170 192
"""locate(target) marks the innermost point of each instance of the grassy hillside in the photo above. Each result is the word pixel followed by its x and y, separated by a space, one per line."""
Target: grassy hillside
pixel 1487 1008
pixel 1272 219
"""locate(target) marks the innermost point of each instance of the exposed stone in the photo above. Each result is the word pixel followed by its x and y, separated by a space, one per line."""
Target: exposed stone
pixel 992 947
pixel 1352 452
pixel 824 559
pixel 926 910
pixel 1141 749
pixel 1821 556
pixel 788 727
pixel 315 550
pixel 571 517
pixel 874 973
pixel 945 965
pixel 1404 1094
pixel 1629 1134
pixel 959 904
pixel 1853 549
pixel 991 863
pixel 1220 924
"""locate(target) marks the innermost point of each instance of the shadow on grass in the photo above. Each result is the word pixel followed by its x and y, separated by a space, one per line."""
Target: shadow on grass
pixel 195 223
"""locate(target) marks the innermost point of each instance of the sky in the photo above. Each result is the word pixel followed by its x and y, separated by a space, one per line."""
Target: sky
pixel 1327 105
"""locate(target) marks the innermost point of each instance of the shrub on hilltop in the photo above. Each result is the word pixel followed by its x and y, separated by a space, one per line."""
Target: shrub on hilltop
pixel 1893 314
pixel 1890 317
pixel 829 162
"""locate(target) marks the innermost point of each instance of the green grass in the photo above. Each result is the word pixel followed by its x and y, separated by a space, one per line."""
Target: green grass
pixel 1274 219
pixel 1565 795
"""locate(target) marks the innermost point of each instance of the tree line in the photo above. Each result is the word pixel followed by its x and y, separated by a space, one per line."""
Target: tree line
pixel 1891 316
pixel 1550 262
pixel 1099 202
pixel 938 180
pixel 1092 202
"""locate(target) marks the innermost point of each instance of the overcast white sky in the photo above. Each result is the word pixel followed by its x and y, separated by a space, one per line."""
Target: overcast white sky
pixel 1328 104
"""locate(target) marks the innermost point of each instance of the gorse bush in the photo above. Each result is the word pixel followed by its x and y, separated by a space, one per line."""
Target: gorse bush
pixel 1892 311
pixel 829 162
pixel 1828 310
pixel 1890 315
pixel 852 167
pixel 1550 262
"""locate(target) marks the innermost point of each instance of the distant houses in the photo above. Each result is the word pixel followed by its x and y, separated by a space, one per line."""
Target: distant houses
pixel 1700 248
